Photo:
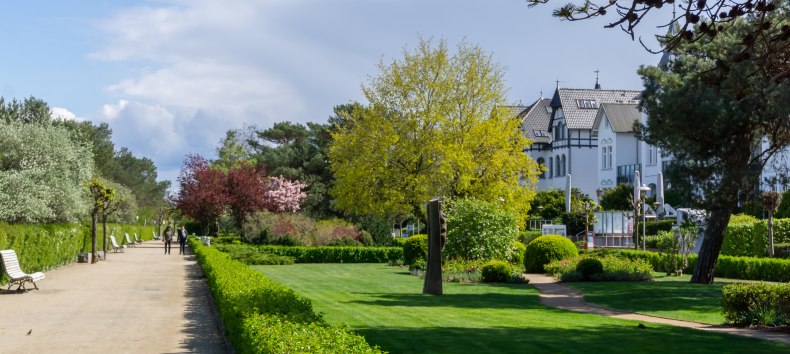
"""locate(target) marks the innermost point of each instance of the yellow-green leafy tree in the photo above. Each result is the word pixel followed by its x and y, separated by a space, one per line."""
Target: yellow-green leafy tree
pixel 436 125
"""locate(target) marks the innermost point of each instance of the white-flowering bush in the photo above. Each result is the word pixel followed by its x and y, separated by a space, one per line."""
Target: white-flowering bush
pixel 43 173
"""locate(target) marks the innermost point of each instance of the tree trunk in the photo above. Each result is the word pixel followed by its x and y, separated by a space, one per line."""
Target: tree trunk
pixel 94 220
pixel 711 246
pixel 770 233
pixel 104 235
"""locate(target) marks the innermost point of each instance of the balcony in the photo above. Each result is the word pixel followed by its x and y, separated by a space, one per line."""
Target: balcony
pixel 625 173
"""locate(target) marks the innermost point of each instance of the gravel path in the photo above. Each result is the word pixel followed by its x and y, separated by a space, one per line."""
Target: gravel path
pixel 140 301
pixel 555 294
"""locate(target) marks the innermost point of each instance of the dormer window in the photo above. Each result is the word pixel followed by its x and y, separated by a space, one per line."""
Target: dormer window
pixel 587 104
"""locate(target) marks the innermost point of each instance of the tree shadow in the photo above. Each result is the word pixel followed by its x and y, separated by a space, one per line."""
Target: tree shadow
pixel 203 331
pixel 582 339
pixel 468 301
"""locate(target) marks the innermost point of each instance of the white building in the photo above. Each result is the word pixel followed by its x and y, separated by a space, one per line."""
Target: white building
pixel 562 131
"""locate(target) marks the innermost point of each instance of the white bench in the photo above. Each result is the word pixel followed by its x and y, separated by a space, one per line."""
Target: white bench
pixel 115 247
pixel 15 273
pixel 155 237
pixel 129 242
pixel 137 239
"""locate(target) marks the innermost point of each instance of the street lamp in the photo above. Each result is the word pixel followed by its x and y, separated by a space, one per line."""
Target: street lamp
pixel 642 195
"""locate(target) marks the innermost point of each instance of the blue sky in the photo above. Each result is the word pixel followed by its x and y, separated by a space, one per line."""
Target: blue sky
pixel 171 76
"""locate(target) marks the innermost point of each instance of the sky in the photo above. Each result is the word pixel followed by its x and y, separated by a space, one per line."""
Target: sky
pixel 170 77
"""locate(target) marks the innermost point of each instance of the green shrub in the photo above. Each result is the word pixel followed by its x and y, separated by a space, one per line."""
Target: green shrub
pixel 756 304
pixel 496 272
pixel 614 268
pixel 617 198
pixel 329 254
pixel 742 219
pixel 517 254
pixel 589 267
pixel 414 248
pixel 527 236
pixel 653 228
pixel 751 239
pixel 398 242
pixel 262 316
pixel 345 241
pixel 545 249
pixel 479 230
pixel 251 256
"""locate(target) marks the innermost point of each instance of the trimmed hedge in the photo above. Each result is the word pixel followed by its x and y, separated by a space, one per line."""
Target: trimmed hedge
pixel 756 304
pixel 42 247
pixel 329 254
pixel 747 268
pixel 496 272
pixel 751 239
pixel 264 316
pixel 545 249
pixel 652 228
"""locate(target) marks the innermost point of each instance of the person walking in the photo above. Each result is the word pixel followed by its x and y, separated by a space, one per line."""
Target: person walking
pixel 167 238
pixel 182 240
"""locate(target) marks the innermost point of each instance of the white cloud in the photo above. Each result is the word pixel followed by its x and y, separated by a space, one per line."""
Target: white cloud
pixel 65 114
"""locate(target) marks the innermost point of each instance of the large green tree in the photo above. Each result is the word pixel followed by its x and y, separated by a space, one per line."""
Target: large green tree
pixel 435 126
pixel 299 152
pixel 710 109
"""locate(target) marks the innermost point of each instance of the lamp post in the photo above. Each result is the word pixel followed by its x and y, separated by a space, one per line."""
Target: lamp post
pixel 642 195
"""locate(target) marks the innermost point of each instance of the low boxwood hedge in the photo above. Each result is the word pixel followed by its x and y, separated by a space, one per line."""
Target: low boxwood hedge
pixel 747 268
pixel 263 316
pixel 756 304
pixel 330 254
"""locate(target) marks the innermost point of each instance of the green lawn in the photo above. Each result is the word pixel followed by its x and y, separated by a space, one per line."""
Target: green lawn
pixel 385 305
pixel 669 297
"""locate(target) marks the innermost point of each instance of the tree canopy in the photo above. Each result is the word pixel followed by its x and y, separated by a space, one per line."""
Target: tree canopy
pixel 711 112
pixel 436 125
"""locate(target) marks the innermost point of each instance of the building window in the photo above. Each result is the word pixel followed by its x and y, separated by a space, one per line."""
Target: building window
pixel 652 155
pixel 551 167
pixel 542 165
pixel 564 166
pixel 587 104
pixel 606 157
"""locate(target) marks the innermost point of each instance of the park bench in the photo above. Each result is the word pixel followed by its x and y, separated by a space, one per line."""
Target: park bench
pixel 115 247
pixel 15 273
pixel 137 239
pixel 129 242
pixel 155 237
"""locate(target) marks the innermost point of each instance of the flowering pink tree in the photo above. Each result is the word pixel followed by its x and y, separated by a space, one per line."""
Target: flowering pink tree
pixel 283 195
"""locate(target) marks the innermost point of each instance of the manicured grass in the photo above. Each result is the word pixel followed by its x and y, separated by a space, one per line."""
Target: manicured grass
pixel 669 297
pixel 386 306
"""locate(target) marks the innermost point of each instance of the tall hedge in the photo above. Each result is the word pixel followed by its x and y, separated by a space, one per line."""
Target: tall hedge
pixel 751 239
pixel 46 246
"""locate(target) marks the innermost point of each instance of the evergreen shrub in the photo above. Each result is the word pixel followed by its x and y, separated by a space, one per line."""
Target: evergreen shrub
pixel 589 267
pixel 497 272
pixel 414 248
pixel 517 255
pixel 756 304
pixel 545 249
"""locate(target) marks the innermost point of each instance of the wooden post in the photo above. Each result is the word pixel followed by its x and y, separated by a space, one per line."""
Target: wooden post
pixel 437 234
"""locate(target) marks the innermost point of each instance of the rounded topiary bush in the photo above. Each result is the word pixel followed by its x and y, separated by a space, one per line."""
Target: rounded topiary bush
pixel 545 249
pixel 414 248
pixel 517 253
pixel 496 272
pixel 589 267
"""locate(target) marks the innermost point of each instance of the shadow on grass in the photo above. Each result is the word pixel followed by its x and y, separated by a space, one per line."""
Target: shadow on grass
pixel 585 339
pixel 654 296
pixel 469 301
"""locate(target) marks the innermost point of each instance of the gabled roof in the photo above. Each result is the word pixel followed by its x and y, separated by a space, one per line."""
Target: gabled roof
pixel 621 116
pixel 580 106
pixel 536 121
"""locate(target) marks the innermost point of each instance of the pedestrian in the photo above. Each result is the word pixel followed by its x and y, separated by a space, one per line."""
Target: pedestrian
pixel 182 240
pixel 167 238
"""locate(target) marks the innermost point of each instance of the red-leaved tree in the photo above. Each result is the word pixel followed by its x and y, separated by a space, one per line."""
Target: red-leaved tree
pixel 283 195
pixel 203 195
pixel 246 189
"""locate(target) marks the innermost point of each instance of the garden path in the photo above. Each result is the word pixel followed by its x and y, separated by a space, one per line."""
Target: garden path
pixel 557 295
pixel 140 301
